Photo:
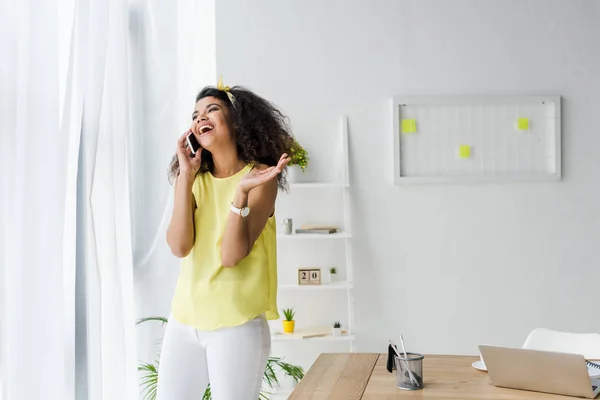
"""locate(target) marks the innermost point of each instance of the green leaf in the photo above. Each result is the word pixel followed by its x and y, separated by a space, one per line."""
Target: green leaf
pixel 159 319
pixel 298 155
pixel 289 314
pixel 149 380
pixel 207 393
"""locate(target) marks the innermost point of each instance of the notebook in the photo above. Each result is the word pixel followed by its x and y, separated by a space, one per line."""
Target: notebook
pixel 593 369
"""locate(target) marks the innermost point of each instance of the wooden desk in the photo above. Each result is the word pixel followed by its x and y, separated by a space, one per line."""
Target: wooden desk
pixel 353 376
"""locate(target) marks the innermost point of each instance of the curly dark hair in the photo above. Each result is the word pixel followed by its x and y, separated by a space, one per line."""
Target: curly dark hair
pixel 262 132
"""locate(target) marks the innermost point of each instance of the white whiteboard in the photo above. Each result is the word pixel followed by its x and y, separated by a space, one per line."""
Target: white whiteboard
pixel 478 139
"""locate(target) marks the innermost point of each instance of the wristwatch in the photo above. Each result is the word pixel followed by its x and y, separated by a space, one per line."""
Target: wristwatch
pixel 242 212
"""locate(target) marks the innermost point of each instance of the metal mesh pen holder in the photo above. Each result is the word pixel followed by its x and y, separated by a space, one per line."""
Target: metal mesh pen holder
pixel 409 371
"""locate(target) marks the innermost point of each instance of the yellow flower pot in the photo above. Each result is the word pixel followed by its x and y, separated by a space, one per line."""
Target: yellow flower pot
pixel 288 326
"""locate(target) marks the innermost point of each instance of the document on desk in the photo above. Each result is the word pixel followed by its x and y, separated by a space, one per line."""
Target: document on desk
pixel 593 369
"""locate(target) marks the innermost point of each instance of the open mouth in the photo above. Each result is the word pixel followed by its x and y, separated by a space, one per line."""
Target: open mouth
pixel 206 129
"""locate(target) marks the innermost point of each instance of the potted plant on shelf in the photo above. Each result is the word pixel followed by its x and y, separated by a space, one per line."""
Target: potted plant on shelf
pixel 298 162
pixel 288 323
pixel 333 274
pixel 337 329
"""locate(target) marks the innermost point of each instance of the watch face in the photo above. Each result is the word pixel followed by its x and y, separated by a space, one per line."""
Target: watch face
pixel 245 211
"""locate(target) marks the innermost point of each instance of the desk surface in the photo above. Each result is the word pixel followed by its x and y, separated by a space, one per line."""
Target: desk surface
pixel 350 376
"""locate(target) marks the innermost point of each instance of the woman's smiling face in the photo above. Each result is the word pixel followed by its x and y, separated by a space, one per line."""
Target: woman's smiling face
pixel 210 123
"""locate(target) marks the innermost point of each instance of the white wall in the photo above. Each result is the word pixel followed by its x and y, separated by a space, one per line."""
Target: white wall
pixel 457 265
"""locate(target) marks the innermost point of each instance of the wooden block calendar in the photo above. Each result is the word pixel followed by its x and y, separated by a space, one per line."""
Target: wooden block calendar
pixel 309 276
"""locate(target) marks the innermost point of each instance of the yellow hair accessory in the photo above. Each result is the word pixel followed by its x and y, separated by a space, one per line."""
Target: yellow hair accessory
pixel 226 89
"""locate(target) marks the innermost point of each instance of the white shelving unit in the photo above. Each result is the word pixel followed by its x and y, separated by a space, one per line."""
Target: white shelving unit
pixel 344 338
pixel 315 236
pixel 325 286
pixel 305 241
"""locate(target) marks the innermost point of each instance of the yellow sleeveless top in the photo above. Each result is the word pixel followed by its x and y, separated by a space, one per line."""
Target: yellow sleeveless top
pixel 209 296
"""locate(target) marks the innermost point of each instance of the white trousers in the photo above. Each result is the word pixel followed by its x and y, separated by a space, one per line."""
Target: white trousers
pixel 232 359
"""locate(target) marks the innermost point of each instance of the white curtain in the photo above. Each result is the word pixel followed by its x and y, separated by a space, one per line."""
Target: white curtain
pixel 105 143
pixel 65 202
pixel 172 56
pixel 37 333
pixel 35 346
pixel 93 95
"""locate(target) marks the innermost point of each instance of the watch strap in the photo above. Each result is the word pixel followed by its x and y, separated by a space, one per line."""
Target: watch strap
pixel 239 211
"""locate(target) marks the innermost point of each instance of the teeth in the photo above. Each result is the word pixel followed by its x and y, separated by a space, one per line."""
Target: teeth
pixel 206 128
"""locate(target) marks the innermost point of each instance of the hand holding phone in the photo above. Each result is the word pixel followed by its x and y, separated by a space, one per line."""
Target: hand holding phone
pixel 188 153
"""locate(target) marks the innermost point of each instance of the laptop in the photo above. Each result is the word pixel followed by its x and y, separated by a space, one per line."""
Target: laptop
pixel 539 371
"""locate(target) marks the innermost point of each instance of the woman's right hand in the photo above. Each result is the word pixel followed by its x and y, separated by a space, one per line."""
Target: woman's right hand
pixel 189 164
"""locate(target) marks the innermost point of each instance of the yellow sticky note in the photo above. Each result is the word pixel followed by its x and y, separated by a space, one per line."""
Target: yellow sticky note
pixel 409 126
pixel 523 124
pixel 464 151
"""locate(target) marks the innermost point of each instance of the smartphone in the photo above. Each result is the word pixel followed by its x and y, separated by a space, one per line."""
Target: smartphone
pixel 192 143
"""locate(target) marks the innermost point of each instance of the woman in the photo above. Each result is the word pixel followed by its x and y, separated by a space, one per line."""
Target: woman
pixel 223 227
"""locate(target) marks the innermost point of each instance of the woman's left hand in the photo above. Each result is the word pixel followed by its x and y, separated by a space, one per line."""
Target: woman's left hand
pixel 256 178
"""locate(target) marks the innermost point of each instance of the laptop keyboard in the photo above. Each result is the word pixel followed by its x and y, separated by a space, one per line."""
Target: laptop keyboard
pixel 594 388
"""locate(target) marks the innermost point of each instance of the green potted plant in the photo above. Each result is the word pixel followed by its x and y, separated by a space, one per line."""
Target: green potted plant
pixel 298 163
pixel 337 329
pixel 333 274
pixel 288 323
pixel 149 379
